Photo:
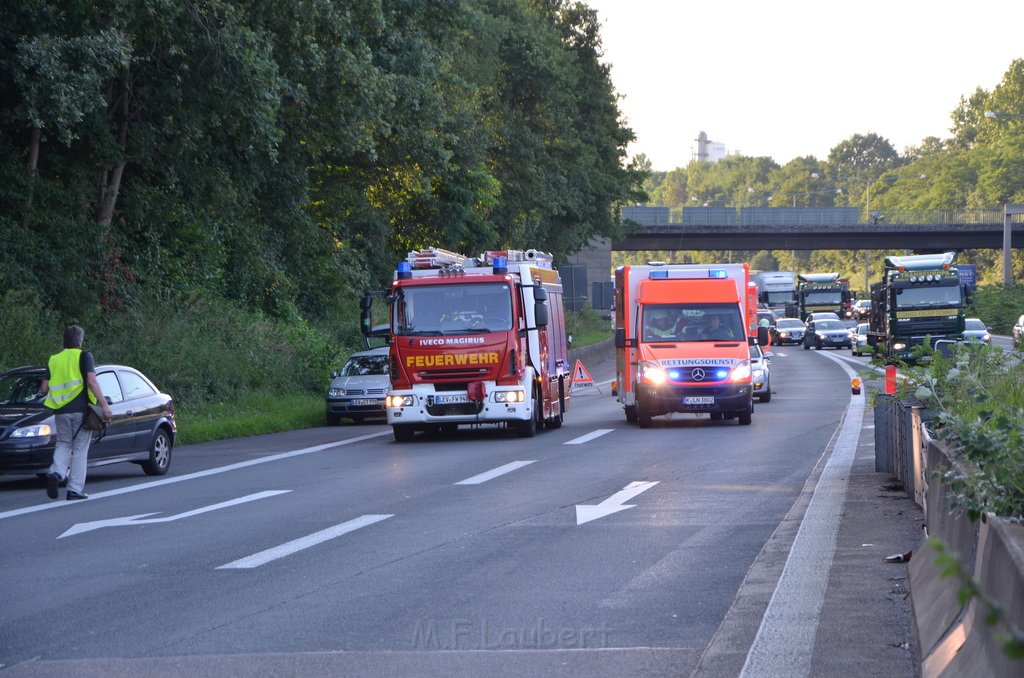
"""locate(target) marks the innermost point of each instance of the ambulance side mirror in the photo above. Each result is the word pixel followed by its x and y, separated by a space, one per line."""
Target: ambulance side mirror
pixel 621 341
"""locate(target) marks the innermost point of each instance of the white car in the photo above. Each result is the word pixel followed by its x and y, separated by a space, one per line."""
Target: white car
pixel 859 336
pixel 760 367
pixel 358 389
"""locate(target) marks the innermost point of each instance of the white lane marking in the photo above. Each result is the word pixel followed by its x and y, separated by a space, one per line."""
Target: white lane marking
pixel 589 436
pixel 785 640
pixel 495 472
pixel 192 476
pixel 79 528
pixel 302 543
pixel 613 504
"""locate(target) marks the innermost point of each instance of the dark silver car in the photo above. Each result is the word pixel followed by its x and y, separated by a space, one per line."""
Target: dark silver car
pixel 827 333
pixel 142 428
pixel 975 330
pixel 358 389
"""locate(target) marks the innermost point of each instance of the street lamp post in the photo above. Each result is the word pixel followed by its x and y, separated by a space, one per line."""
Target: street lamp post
pixel 1008 211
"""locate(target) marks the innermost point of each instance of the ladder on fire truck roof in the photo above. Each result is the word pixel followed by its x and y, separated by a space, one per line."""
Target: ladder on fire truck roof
pixel 435 257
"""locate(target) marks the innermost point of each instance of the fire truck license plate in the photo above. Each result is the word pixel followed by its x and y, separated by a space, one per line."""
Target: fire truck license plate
pixel 363 402
pixel 699 400
pixel 451 399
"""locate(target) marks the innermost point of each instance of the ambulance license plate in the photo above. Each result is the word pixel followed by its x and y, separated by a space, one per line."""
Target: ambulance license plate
pixel 451 399
pixel 699 400
pixel 364 402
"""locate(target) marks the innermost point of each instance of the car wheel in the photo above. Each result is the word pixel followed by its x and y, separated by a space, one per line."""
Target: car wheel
pixel 767 395
pixel 807 346
pixel 817 344
pixel 403 432
pixel 643 415
pixel 159 454
pixel 528 428
pixel 746 415
pixel 333 419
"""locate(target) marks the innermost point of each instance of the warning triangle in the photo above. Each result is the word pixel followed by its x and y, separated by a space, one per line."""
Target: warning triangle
pixel 580 376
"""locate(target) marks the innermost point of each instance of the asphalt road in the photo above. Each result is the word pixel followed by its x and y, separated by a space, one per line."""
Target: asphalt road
pixel 596 549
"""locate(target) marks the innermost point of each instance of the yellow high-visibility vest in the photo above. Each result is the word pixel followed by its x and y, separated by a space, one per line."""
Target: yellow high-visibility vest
pixel 66 379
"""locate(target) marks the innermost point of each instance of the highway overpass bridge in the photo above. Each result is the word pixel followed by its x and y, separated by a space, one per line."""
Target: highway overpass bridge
pixel 804 228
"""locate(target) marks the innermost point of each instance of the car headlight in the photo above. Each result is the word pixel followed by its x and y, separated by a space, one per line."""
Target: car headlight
pixel 986 337
pixel 899 346
pixel 653 373
pixel 509 396
pixel 335 392
pixel 784 335
pixel 822 335
pixel 37 431
pixel 400 401
pixel 741 372
pixel 758 374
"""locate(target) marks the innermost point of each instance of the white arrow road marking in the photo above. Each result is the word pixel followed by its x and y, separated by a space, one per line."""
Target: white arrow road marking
pixel 613 504
pixel 78 528
pixel 495 472
pixel 589 436
pixel 303 543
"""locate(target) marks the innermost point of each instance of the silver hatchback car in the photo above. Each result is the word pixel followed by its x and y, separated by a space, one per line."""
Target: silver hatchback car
pixel 358 389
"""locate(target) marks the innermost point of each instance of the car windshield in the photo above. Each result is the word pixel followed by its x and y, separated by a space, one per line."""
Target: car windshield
pixel 974 324
pixel 362 365
pixel 21 389
pixel 789 324
pixel 829 325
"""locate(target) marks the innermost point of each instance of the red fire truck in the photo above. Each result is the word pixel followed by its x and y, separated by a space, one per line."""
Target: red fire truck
pixel 476 341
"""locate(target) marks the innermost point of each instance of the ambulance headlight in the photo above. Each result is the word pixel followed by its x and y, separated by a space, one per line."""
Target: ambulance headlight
pixel 509 396
pixel 652 373
pixel 400 401
pixel 741 372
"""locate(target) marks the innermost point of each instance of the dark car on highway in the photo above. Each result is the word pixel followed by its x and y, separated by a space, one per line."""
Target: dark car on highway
pixel 141 430
pixel 825 333
pixel 787 331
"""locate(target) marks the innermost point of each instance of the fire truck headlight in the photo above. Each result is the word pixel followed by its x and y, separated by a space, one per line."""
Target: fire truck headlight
pixel 741 372
pixel 509 396
pixel 653 374
pixel 400 401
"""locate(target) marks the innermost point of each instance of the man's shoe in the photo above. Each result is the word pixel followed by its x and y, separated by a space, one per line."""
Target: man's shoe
pixel 52 481
pixel 77 495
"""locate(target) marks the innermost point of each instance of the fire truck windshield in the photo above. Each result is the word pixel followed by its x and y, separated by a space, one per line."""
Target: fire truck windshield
pixel 469 308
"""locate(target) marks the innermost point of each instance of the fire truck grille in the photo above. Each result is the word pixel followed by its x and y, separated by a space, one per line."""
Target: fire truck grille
pixel 455 409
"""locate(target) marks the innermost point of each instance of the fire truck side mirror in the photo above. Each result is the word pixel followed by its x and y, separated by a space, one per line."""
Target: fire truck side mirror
pixel 968 294
pixel 540 314
pixel 364 316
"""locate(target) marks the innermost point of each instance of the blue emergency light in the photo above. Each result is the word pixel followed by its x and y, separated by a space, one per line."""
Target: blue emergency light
pixel 500 265
pixel 658 275
pixel 404 270
pixel 718 273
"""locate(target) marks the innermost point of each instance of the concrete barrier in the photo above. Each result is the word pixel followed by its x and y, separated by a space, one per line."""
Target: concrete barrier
pixel 955 639
pixel 602 350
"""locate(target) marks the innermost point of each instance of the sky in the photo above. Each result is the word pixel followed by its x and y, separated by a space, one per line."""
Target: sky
pixel 793 78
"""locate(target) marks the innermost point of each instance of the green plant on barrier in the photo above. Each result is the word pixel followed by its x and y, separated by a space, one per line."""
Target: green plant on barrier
pixel 951 566
pixel 977 396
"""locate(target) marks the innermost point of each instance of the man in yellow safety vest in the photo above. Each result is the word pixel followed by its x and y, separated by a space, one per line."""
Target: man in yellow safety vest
pixel 69 385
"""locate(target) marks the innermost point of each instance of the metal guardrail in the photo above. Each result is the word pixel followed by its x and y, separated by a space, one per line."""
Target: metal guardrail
pixel 811 216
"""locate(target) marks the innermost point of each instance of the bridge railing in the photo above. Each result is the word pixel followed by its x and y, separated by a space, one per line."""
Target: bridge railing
pixel 811 216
